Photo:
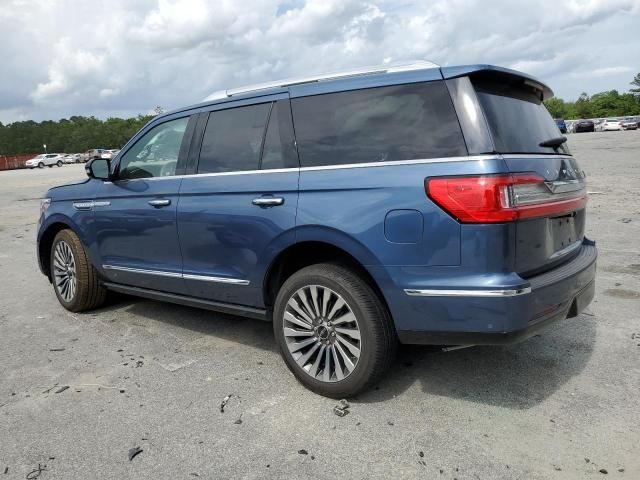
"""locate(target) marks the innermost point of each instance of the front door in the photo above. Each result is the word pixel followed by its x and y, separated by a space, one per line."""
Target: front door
pixel 135 214
pixel 239 208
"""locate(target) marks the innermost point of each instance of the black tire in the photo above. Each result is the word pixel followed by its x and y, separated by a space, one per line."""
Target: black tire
pixel 378 340
pixel 59 163
pixel 41 165
pixel 89 292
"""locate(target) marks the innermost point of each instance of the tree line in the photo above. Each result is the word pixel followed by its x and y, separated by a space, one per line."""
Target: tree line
pixel 73 135
pixel 599 105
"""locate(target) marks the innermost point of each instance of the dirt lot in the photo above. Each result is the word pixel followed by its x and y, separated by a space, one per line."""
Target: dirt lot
pixel 151 375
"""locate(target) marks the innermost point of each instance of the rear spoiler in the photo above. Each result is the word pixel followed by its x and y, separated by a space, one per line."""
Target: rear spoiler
pixel 498 73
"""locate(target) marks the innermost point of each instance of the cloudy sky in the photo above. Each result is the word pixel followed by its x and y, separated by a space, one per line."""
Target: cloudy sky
pixel 123 57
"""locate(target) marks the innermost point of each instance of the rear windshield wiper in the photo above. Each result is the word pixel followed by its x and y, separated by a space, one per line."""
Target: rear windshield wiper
pixel 553 142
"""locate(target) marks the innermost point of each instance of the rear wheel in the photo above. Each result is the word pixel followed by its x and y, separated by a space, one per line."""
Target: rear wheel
pixel 75 281
pixel 334 332
pixel 59 163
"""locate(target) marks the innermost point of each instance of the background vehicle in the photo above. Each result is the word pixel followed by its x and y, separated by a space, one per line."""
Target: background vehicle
pixel 611 124
pixel 422 204
pixel 45 160
pixel 94 153
pixel 562 126
pixel 70 158
pixel 629 124
pixel 109 154
pixel 584 126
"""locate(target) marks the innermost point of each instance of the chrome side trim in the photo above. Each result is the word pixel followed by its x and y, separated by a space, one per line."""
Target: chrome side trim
pixel 535 155
pixel 88 205
pixel 142 270
pixel 102 204
pixel 205 278
pixel 467 293
pixel 571 248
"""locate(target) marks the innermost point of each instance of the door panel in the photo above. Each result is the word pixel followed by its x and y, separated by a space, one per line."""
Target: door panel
pixel 233 220
pixel 132 234
pixel 227 241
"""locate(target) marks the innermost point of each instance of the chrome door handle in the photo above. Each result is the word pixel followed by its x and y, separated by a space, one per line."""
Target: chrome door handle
pixel 159 203
pixel 268 201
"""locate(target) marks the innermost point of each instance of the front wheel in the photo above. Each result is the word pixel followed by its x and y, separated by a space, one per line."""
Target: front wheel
pixel 59 163
pixel 334 332
pixel 41 165
pixel 75 281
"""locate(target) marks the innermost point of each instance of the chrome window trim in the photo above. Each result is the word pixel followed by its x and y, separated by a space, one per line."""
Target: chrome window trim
pixel 467 293
pixel 535 155
pixel 186 276
pixel 468 158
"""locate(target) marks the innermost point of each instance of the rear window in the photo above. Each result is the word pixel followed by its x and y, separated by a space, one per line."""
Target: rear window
pixel 518 119
pixel 401 122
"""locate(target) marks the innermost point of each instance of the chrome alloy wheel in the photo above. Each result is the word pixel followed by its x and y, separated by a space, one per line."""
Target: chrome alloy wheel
pixel 64 271
pixel 322 333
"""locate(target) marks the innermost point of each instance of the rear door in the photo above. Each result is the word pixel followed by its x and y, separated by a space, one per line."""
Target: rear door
pixel 519 122
pixel 239 208
pixel 135 215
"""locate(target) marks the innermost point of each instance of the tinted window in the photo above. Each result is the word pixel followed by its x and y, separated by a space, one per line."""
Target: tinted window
pixel 518 119
pixel 156 153
pixel 233 139
pixel 402 122
pixel 279 150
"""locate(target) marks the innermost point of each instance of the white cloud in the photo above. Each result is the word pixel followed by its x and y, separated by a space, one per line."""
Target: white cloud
pixel 66 57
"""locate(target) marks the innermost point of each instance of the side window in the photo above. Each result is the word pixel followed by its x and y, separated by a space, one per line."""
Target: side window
pixel 156 153
pixel 400 122
pixel 233 139
pixel 279 150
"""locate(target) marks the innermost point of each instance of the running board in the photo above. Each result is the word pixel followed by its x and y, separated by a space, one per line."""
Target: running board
pixel 230 308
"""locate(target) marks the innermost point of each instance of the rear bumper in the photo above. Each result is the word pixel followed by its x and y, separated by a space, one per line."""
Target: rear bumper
pixel 503 314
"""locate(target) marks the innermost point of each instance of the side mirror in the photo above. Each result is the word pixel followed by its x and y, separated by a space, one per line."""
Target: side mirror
pixel 99 168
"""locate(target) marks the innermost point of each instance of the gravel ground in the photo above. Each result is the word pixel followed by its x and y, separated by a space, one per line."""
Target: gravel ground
pixel 152 375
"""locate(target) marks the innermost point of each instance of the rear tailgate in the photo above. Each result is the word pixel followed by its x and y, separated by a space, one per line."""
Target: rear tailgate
pixel 542 243
pixel 522 129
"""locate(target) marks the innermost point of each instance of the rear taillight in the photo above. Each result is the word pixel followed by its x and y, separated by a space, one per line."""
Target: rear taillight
pixel 505 198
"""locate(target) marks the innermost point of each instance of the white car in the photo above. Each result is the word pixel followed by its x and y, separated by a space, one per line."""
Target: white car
pixel 45 160
pixel 69 158
pixel 611 124
pixel 109 154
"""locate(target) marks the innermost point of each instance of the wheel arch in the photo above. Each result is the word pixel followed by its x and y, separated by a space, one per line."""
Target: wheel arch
pixel 45 241
pixel 310 252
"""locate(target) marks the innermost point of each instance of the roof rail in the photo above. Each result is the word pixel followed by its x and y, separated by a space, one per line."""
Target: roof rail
pixel 372 70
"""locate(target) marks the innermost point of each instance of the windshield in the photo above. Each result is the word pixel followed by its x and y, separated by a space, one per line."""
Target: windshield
pixel 518 119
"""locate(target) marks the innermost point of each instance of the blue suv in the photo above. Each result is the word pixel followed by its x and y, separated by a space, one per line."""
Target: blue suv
pixel 411 204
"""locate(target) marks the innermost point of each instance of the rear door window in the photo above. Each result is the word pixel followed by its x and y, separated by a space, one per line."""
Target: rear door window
pixel 233 139
pixel 400 122
pixel 517 118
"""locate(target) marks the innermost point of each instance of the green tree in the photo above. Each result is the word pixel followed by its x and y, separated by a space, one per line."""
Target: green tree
pixel 636 82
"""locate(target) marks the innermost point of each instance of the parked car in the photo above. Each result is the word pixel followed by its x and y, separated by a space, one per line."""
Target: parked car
pixel 45 160
pixel 562 126
pixel 109 154
pixel 351 211
pixel 611 124
pixel 629 124
pixel 94 153
pixel 69 158
pixel 584 126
